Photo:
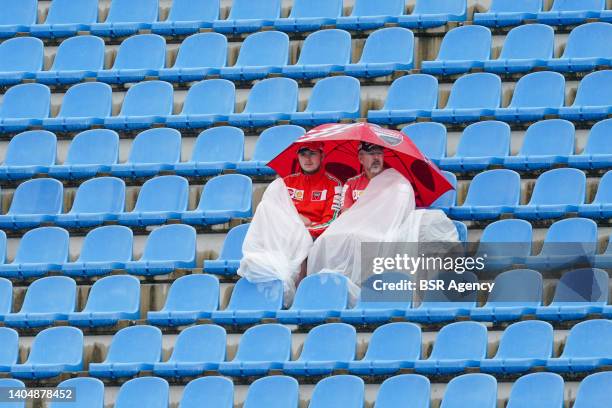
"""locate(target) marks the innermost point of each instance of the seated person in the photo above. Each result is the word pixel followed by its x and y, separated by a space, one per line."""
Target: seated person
pixel 371 158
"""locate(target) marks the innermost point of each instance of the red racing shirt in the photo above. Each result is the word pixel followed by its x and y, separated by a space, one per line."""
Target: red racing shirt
pixel 352 190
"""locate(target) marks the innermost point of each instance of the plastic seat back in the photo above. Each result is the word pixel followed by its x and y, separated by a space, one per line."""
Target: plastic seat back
pixel 96 146
pixel 164 193
pixel 91 99
pixel 494 187
pixel 364 8
pixel 227 192
pixel 471 390
pixel 341 93
pixel 516 287
pixel 316 8
pixel 539 89
pixel 418 91
pixel 506 238
pixel 148 98
pixel 83 52
pixel 330 341
pixel 429 137
pixel 232 246
pixel 57 345
pixel 274 140
pixel 326 47
pixel 213 96
pixel 34 147
pixel 9 353
pixel 395 391
pixel 479 90
pixel 204 342
pixel 461 340
pixel 100 195
pixel 582 343
pixel 171 242
pixel 593 390
pixel 440 7
pixel 6 287
pixel 43 245
pixel 26 101
pixel 450 298
pixel 470 42
pixel 219 144
pixel 265 342
pixel 273 95
pixel 114 293
pixel 161 145
pixel 18 13
pixel 487 138
pixel 527 339
pixel 338 390
pixel 90 391
pixel 322 291
pixel 578 5
pixel 595 89
pixel 582 285
pixel 50 294
pixel 247 10
pixel 198 10
pixel 135 344
pixel 71 12
pixel 190 53
pixel 549 137
pixel 559 186
pixel 530 41
pixel 15 384
pixel 392 44
pixel 256 296
pixel 110 243
pixel 193 292
pixel 150 392
pixel 217 391
pixel 599 138
pixel 395 341
pixel 277 391
pixel 132 11
pixel 141 51
pixel 543 390
pixel 264 48
pixel 588 40
pixel 514 6
pixel 577 236
pixel 21 54
pixel 604 190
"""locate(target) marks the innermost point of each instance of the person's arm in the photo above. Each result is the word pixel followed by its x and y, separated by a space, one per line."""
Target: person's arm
pixel 333 203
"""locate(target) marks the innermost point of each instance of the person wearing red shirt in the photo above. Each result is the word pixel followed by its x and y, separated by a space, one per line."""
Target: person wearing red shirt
pixel 371 158
pixel 314 192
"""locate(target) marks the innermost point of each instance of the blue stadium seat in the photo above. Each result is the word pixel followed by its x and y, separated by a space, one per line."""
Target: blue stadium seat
pixel 90 390
pixel 332 100
pixel 571 12
pixel 516 293
pixel 104 249
pixel 83 106
pixel 525 48
pixel 368 15
pixel 523 345
pixel 196 349
pixel 190 298
pixel 556 192
pixel 160 199
pixel 601 207
pixel 138 56
pixel 392 347
pixel 593 390
pixel 19 58
pixel 191 63
pixel 310 15
pixel 270 143
pixel 385 51
pixel 132 349
pixel 327 347
pixel 462 232
pixel 269 101
pixel 547 143
pixel 395 391
pixel 90 152
pixel 66 18
pixel 6 287
pixel 261 54
pixel 23 106
pixel 144 104
pixel 471 96
pixel 17 17
pixel 276 391
pixel 34 202
pixel 317 298
pixel 54 351
pixel 127 17
pixel 262 348
pixel 76 58
pixel 153 151
pixel 247 16
pixel 150 392
pixel 167 248
pixel 463 48
pixel 503 13
pixel 228 261
pixel 338 390
pixel 215 150
pixel 506 243
pixel 471 390
pixel 490 194
pixel 449 199
pixel 207 102
pixel 583 350
pixel 535 95
pixel 110 300
pixel 586 49
pixel 593 98
pixel 482 144
pixel 409 97
pixel 215 390
pixel 597 153
pixel 40 250
pixel 187 17
pixel 17 385
pixel 29 153
pixel 428 14
pixel 251 302
pixel 223 198
pixel 429 137
pixel 97 200
pixel 10 349
pixel 543 390
pixel 323 52
pixel 604 261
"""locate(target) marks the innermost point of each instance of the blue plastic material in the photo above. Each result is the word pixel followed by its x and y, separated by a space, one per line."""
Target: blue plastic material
pixel 83 106
pixel 150 392
pixel 207 102
pixel 251 302
pixel 338 390
pixel 34 202
pixel 10 349
pixel 17 385
pixel 277 391
pixel 310 15
pixel 19 59
pixel 17 17
pixel 127 17
pixel 248 16
pixel 90 391
pixel 261 54
pixel 215 150
pixel 216 391
pixel 76 58
pixel 463 48
pixel 586 49
pixel 428 13
pixel 503 13
pixel 429 137
pixel 138 56
pixel 228 261
pixel 6 287
pixel 270 100
pixel 593 99
pixel 367 15
pixel 191 63
pixel 23 106
pixel 29 153
pixel 544 390
pixel 592 391
pixel 601 207
pixel 144 104
pixel 506 243
pixel 604 261
pixel 409 97
pixel 597 153
pixel 395 391
pixel 571 12
pixel 526 47
pixel 187 17
pixel 471 390
pixel 66 18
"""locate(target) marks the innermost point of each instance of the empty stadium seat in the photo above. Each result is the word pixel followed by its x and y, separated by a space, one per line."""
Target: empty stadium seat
pixel 110 300
pixel 584 351
pixel 471 96
pixel 367 15
pixel 332 100
pixel 228 261
pixel 190 298
pixel 570 12
pixel 247 16
pixel 428 14
pixel 310 15
pixel 197 349
pixel 76 58
pixel 218 392
pixel 471 390
pixel 126 17
pixel 604 261
pixel 601 207
pixel 593 98
pixel 535 95
pixel 83 106
pixel 556 192
pixel 269 144
pixel 167 248
pixel 385 51
pixel 187 17
pixel 191 63
pixel 151 392
pixel 338 390
pixel 138 56
pixel 144 104
pixel 327 347
pixel 27 154
pixel 317 298
pixel 586 49
pixel 261 54
pixel 523 345
pixel 525 48
pixel 132 350
pixel 463 48
pixel 40 250
pixel 251 302
pixel 482 144
pixel 90 391
pixel 323 52
pixel 503 13
pixel 215 150
pixel 598 150
pixel 10 349
pixel 18 386
pixel 66 18
pixel 262 348
pixel 429 137
pixel 397 390
pixel 270 100
pixel 506 243
pixel 54 351
pixel 408 98
pixel 392 347
pixel 277 391
pixel 449 198
pixel 19 57
pixel 6 287
pixel 17 17
pixel 23 106
pixel 592 391
pixel 542 389
pixel 104 249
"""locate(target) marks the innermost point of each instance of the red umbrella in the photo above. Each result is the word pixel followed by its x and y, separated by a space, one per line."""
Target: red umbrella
pixel 341 142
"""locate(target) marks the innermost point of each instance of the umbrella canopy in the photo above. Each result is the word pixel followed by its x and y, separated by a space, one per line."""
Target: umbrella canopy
pixel 340 146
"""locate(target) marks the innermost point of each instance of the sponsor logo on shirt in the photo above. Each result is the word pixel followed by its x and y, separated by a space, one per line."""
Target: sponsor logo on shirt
pixel 357 194
pixel 296 194
pixel 319 195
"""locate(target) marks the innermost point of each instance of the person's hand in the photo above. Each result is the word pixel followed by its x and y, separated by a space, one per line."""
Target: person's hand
pixel 306 221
